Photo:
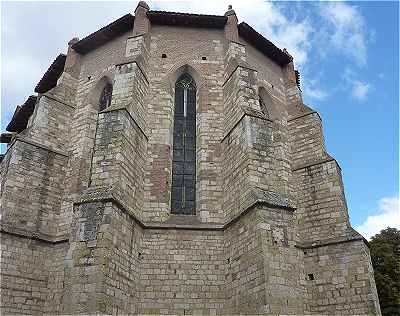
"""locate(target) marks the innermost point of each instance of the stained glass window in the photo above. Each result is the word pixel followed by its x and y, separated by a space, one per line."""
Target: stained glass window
pixel 105 97
pixel 183 191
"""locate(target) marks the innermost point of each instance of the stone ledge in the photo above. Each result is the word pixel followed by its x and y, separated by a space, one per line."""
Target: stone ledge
pixel 177 221
pixel 234 70
pixel 246 112
pixel 32 236
pixel 238 43
pixel 54 98
pixel 331 242
pixel 134 61
pixel 303 115
pixel 314 163
pixel 122 108
pixel 36 144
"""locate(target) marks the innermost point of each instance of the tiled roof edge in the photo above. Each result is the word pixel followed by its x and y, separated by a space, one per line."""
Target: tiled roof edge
pixel 105 34
pixel 50 77
pixel 21 115
pixel 263 44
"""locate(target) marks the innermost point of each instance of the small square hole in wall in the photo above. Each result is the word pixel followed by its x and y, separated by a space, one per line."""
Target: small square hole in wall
pixel 310 276
pixel 163 55
pixel 204 58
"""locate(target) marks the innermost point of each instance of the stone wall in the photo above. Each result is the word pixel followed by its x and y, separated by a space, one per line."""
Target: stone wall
pixel 50 124
pixel 85 195
pixel 31 276
pixel 118 158
pixel 182 272
pixel 265 271
pixel 306 139
pixel 102 263
pixel 322 211
pixel 31 189
pixel 340 279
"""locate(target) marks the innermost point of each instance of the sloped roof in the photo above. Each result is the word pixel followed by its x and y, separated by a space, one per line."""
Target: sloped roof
pixel 105 34
pixel 264 45
pixel 21 115
pixel 50 77
pixel 5 138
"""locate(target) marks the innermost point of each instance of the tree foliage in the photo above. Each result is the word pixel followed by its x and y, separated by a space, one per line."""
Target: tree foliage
pixel 385 256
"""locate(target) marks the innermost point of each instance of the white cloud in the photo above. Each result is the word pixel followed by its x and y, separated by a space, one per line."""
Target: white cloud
pixel 348 32
pixel 360 90
pixel 387 215
pixel 317 94
pixel 311 88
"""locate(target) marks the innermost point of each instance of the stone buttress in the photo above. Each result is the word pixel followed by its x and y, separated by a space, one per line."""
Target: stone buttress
pixel 86 219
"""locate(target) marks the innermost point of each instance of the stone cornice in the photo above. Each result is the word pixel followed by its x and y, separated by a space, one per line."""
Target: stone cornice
pixel 313 163
pixel 234 70
pixel 54 98
pixel 109 196
pixel 36 144
pixel 303 115
pixel 313 245
pixel 32 236
pixel 123 108
pixel 134 61
pixel 246 112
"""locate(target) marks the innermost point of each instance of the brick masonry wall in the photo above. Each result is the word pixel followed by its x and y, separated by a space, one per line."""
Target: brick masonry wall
pixel 184 48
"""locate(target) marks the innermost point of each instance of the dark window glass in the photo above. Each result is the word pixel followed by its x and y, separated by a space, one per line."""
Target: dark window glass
pixel 105 97
pixel 183 192
pixel 264 106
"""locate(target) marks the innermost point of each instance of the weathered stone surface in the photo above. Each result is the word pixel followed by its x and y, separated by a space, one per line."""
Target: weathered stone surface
pixel 86 223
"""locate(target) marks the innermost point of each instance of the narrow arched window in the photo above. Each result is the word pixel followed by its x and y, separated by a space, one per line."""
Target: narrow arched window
pixel 105 97
pixel 265 101
pixel 183 191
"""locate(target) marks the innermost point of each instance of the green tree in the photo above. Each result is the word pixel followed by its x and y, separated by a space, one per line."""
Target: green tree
pixel 385 255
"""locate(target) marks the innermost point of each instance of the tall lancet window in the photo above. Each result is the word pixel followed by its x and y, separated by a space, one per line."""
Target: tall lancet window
pixel 183 193
pixel 105 97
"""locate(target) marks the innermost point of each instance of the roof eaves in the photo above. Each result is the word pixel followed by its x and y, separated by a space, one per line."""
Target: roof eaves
pixel 105 34
pixel 5 138
pixel 21 115
pixel 50 77
pixel 264 45
pixel 186 19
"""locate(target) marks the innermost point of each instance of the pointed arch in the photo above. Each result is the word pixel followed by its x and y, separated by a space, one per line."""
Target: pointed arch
pixel 268 105
pixel 105 97
pixel 183 188
pixel 265 101
pixel 177 71
pixel 100 96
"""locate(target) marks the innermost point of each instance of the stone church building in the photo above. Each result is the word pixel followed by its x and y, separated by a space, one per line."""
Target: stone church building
pixel 167 165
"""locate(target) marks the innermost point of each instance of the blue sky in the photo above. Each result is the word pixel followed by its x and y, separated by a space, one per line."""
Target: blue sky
pixel 347 54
